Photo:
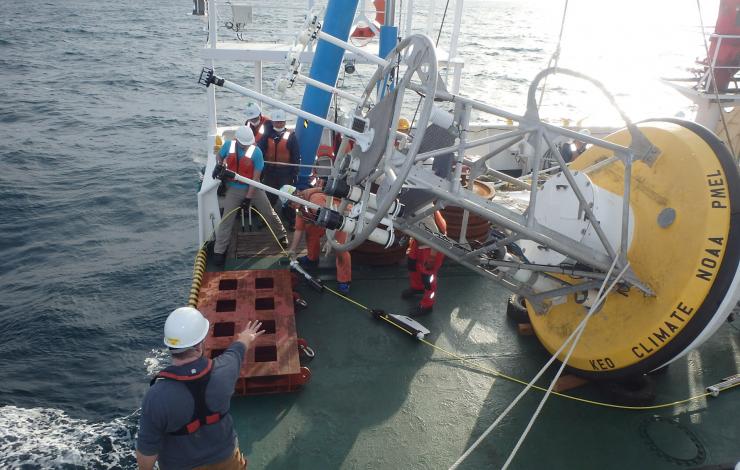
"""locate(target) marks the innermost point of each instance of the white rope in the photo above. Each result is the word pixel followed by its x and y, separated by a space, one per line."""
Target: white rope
pixel 555 55
pixel 581 328
pixel 296 164
pixel 540 373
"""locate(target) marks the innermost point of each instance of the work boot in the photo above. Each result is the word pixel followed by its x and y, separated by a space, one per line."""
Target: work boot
pixel 219 259
pixel 343 287
pixel 306 262
pixel 420 311
pixel 411 293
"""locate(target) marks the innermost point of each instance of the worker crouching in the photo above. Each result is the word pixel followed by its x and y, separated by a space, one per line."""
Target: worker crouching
pixel 423 264
pixel 305 224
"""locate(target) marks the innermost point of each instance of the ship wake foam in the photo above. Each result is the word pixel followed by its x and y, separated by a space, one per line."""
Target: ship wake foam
pixel 48 438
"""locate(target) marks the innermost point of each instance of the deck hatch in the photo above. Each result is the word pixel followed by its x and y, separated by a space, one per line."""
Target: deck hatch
pixel 226 305
pixel 227 284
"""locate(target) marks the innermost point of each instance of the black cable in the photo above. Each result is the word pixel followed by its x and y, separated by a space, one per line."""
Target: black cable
pixel 439 34
pixel 444 15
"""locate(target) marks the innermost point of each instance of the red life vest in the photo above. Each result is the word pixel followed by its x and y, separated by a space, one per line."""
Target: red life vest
pixel 259 129
pixel 196 385
pixel 242 165
pixel 277 149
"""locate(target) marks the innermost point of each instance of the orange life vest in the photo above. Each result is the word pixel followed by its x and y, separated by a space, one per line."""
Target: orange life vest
pixel 259 129
pixel 325 151
pixel 241 165
pixel 277 151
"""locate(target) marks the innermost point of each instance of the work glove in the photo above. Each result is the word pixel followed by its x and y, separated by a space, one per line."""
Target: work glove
pixel 218 171
pixel 221 172
pixel 246 204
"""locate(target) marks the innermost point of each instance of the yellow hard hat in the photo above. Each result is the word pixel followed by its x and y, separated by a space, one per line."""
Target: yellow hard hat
pixel 404 125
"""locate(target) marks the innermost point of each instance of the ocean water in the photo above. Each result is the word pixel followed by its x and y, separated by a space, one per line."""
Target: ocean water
pixel 101 139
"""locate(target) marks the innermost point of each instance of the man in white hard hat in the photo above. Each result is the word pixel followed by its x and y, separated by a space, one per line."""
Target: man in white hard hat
pixel 255 120
pixel 281 153
pixel 185 420
pixel 244 158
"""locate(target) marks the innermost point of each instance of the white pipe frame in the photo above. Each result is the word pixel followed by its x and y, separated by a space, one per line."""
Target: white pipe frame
pixel 277 192
pixel 532 125
pixel 323 86
pixel 363 140
pixel 352 48
pixel 528 126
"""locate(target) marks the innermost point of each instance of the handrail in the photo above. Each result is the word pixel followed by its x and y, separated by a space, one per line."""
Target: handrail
pixel 705 83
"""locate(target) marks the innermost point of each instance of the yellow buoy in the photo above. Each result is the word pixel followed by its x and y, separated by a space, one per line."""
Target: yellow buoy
pixel 686 247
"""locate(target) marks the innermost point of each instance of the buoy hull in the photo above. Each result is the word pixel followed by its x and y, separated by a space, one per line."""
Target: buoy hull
pixel 685 246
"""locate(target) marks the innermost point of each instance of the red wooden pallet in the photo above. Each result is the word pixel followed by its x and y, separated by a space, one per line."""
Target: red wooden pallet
pixel 232 298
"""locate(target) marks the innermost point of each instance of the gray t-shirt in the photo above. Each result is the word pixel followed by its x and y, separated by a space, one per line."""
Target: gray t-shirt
pixel 168 405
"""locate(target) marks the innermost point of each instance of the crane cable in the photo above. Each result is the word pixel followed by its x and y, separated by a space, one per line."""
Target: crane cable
pixel 555 55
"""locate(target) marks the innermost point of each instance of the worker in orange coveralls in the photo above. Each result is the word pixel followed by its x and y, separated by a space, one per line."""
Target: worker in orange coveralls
pixel 313 238
pixel 423 264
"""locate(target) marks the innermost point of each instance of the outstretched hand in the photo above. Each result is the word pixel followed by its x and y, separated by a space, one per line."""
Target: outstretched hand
pixel 250 333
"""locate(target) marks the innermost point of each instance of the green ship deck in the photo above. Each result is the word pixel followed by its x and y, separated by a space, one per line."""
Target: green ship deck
pixel 378 399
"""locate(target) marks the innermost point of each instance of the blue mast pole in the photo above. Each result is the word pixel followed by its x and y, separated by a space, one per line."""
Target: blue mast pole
pixel 388 37
pixel 324 68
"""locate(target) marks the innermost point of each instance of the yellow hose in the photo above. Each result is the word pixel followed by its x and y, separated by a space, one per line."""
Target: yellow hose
pixel 199 267
pixel 199 270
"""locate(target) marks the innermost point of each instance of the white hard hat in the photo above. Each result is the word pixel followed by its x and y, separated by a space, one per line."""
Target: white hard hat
pixel 278 115
pixel 253 110
pixel 185 327
pixel 245 136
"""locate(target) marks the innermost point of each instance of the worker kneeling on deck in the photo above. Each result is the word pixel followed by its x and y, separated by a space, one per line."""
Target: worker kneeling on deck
pixel 185 421
pixel 424 263
pixel 305 223
pixel 244 158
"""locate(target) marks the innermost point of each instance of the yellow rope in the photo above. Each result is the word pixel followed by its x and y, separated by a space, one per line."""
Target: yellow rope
pixel 199 266
pixel 496 373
